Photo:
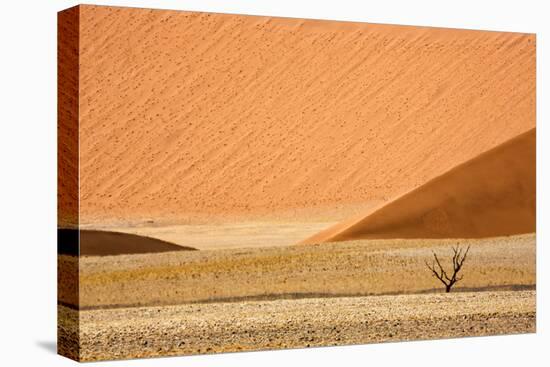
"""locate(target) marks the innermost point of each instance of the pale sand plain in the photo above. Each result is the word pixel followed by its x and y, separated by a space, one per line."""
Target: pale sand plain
pixel 227 235
pixel 363 267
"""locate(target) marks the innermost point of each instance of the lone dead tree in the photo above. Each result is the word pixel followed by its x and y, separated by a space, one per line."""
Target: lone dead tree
pixel 441 274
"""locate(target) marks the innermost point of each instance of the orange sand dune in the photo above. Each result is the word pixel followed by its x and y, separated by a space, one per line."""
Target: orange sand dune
pixel 491 195
pixel 183 115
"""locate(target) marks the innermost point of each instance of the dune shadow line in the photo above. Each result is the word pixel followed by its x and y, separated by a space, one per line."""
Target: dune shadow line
pixel 104 243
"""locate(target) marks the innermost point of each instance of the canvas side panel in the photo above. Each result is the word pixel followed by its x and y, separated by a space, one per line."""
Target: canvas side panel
pixel 67 184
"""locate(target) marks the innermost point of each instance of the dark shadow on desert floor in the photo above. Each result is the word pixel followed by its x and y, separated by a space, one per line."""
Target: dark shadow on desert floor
pixel 104 243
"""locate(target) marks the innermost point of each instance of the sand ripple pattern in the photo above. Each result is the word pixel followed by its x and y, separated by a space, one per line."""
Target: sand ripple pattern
pixel 188 115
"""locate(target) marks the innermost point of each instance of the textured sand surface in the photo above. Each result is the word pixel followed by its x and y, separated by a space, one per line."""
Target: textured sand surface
pixel 228 327
pixel 185 116
pixel 247 234
pixel 493 194
pixel 362 267
pixel 68 54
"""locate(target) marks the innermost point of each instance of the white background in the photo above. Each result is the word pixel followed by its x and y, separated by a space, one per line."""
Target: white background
pixel 28 182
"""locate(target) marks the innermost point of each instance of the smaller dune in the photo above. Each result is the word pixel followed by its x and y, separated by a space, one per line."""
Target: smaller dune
pixel 104 243
pixel 493 194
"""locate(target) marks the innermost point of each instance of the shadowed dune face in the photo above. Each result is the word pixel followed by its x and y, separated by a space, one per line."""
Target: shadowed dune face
pixel 184 114
pixel 103 243
pixel 491 195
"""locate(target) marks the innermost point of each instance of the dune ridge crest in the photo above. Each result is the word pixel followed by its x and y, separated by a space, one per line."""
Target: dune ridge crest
pixel 493 194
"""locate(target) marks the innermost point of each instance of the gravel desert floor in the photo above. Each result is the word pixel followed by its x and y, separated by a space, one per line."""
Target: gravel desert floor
pixel 352 292
pixel 251 325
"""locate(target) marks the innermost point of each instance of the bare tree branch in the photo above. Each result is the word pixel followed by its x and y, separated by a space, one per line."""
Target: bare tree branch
pixel 458 260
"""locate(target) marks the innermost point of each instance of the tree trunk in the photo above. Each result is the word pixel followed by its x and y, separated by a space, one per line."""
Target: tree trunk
pixel 447 288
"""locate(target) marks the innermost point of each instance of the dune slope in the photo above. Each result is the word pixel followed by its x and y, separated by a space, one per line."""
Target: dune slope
pixel 491 195
pixel 102 243
pixel 184 114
